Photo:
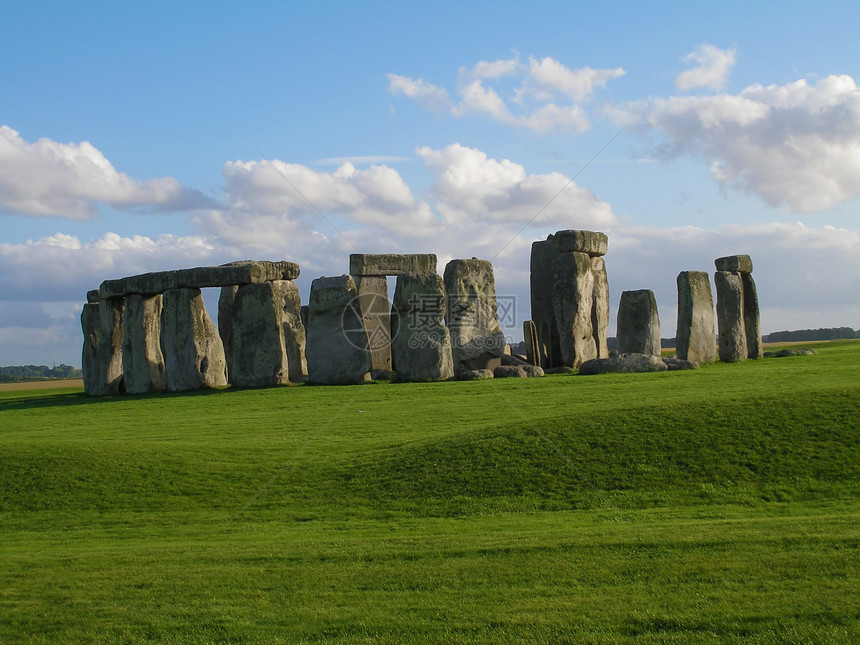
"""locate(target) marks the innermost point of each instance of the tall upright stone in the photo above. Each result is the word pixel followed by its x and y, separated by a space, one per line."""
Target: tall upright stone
pixel 142 360
pixel 695 339
pixel 572 301
pixel 294 332
pixel 471 315
pixel 752 320
pixel 338 352
pixel 375 309
pixel 102 325
pixel 638 323
pixel 531 340
pixel 258 352
pixel 193 351
pixel 570 297
pixel 730 316
pixel 542 281
pixel 225 324
pixel 600 306
pixel 421 347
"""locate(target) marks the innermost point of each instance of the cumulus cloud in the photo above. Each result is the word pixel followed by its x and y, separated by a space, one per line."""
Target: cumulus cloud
pixel 470 186
pixel 795 144
pixel 712 68
pixel 542 95
pixel 70 180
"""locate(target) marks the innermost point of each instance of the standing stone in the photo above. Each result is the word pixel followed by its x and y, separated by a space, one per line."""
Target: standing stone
pixel 225 324
pixel 531 340
pixel 542 279
pixel 193 351
pixel 421 347
pixel 573 286
pixel 102 352
pixel 638 323
pixel 600 306
pixel 259 356
pixel 338 351
pixel 142 360
pixel 471 315
pixel 730 316
pixel 752 320
pixel 694 339
pixel 375 312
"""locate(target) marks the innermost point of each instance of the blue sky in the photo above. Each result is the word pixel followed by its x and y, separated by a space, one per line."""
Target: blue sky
pixel 143 137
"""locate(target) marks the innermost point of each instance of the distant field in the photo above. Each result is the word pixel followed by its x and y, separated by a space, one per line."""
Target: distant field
pixel 42 385
pixel 715 505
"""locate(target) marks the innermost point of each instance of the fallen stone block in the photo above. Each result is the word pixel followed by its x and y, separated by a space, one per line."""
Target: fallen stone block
pixel 623 364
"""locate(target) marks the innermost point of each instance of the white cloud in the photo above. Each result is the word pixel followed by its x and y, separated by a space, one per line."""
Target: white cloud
pixel 542 96
pixel 795 144
pixel 712 68
pixel 426 94
pixel 470 186
pixel 375 196
pixel 70 180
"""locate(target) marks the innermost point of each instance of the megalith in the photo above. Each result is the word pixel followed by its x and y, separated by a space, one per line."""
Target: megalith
pixel 730 316
pixel 531 340
pixel 192 348
pixel 471 315
pixel 142 360
pixel 375 311
pixel 638 323
pixel 338 352
pixel 695 339
pixel 738 316
pixel 572 301
pixel 752 319
pixel 101 358
pixel 225 324
pixel 421 346
pixel 570 297
pixel 258 348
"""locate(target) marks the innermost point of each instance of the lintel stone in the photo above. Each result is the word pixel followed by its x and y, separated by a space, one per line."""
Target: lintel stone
pixel 391 263
pixel 734 263
pixel 592 242
pixel 235 273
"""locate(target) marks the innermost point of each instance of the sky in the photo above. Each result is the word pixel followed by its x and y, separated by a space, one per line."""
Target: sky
pixel 140 137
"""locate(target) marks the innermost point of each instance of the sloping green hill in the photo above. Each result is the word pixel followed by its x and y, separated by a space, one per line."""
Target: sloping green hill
pixel 714 505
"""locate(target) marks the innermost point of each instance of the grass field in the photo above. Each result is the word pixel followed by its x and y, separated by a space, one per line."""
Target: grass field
pixel 716 505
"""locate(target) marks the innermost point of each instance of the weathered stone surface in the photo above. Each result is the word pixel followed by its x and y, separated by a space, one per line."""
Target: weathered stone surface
pixel 471 315
pixel 695 339
pixel 391 263
pixel 193 352
pixel 422 346
pixel 510 359
pixel 510 371
pixel 542 279
pixel 295 334
pixel 533 371
pixel 375 312
pixel 236 273
pixel 474 375
pixel 142 360
pixel 101 358
pixel 338 352
pixel 623 363
pixel 600 306
pixel 677 364
pixel 381 375
pixel 734 264
pixel 638 323
pixel 791 351
pixel 573 286
pixel 304 316
pixel 258 348
pixel 752 321
pixel 591 242
pixel 531 340
pixel 93 296
pixel 730 316
pixel 225 324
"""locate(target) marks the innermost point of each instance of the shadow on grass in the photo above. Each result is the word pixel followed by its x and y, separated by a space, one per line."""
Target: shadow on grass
pixel 32 401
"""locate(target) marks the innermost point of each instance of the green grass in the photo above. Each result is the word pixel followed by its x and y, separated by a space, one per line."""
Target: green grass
pixel 716 505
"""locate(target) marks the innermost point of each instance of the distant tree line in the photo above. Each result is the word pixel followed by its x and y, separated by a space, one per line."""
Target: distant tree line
pixel 830 333
pixel 16 373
